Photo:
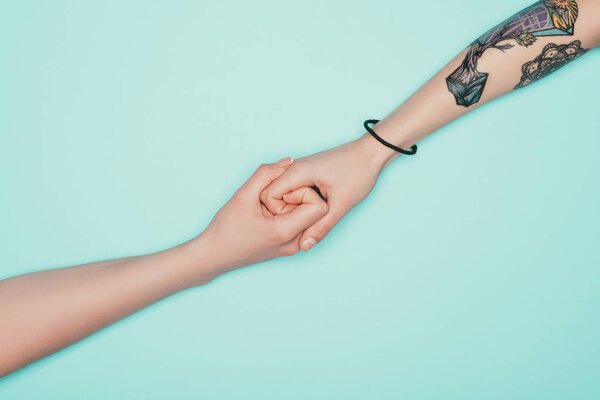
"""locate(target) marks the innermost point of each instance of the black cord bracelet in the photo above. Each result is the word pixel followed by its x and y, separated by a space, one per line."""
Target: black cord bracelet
pixel 411 152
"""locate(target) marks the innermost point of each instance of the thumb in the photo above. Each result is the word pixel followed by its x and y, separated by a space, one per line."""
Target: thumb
pixel 321 228
pixel 263 176
pixel 310 208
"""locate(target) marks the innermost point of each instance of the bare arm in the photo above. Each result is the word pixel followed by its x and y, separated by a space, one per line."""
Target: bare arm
pixel 524 48
pixel 45 311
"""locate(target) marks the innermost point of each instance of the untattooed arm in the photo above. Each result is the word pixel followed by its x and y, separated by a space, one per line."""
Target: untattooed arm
pixel 45 311
pixel 519 51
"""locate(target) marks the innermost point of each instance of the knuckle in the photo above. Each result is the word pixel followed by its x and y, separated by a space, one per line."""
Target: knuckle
pixel 262 168
pixel 265 196
pixel 281 234
pixel 323 207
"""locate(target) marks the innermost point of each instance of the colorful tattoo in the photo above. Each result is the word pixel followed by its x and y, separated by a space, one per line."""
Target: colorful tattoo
pixel 544 18
pixel 553 57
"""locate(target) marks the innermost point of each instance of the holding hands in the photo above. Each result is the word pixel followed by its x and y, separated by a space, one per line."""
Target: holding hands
pixel 245 232
pixel 344 176
pixel 290 205
pixel 282 208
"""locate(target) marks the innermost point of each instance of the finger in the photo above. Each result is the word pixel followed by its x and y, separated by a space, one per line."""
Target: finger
pixel 263 176
pixel 272 196
pixel 317 232
pixel 310 208
pixel 266 213
pixel 295 198
pixel 303 195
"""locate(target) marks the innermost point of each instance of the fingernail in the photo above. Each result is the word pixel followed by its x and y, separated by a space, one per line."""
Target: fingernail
pixel 308 243
pixel 285 162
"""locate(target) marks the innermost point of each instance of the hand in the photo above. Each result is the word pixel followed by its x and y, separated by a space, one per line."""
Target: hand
pixel 244 232
pixel 344 176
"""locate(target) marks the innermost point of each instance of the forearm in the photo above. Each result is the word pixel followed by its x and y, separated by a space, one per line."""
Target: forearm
pixel 45 311
pixel 503 59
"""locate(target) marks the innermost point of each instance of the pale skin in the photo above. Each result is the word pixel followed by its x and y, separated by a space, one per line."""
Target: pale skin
pixel 274 214
pixel 345 175
pixel 45 311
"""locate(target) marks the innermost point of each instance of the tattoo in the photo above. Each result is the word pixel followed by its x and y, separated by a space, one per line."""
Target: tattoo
pixel 543 18
pixel 553 57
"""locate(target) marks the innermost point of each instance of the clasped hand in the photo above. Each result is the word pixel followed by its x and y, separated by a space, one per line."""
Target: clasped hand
pixel 277 212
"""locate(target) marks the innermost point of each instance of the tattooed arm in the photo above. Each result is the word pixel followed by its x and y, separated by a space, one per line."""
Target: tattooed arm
pixel 521 50
pixel 526 47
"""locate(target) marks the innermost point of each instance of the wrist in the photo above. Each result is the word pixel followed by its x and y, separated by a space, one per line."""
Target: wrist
pixel 202 261
pixel 389 133
pixel 376 154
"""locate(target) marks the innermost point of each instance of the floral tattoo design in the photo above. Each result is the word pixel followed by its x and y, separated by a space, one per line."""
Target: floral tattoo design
pixel 552 58
pixel 543 18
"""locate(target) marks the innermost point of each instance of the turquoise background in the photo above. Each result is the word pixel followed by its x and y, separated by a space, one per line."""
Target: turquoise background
pixel 471 272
